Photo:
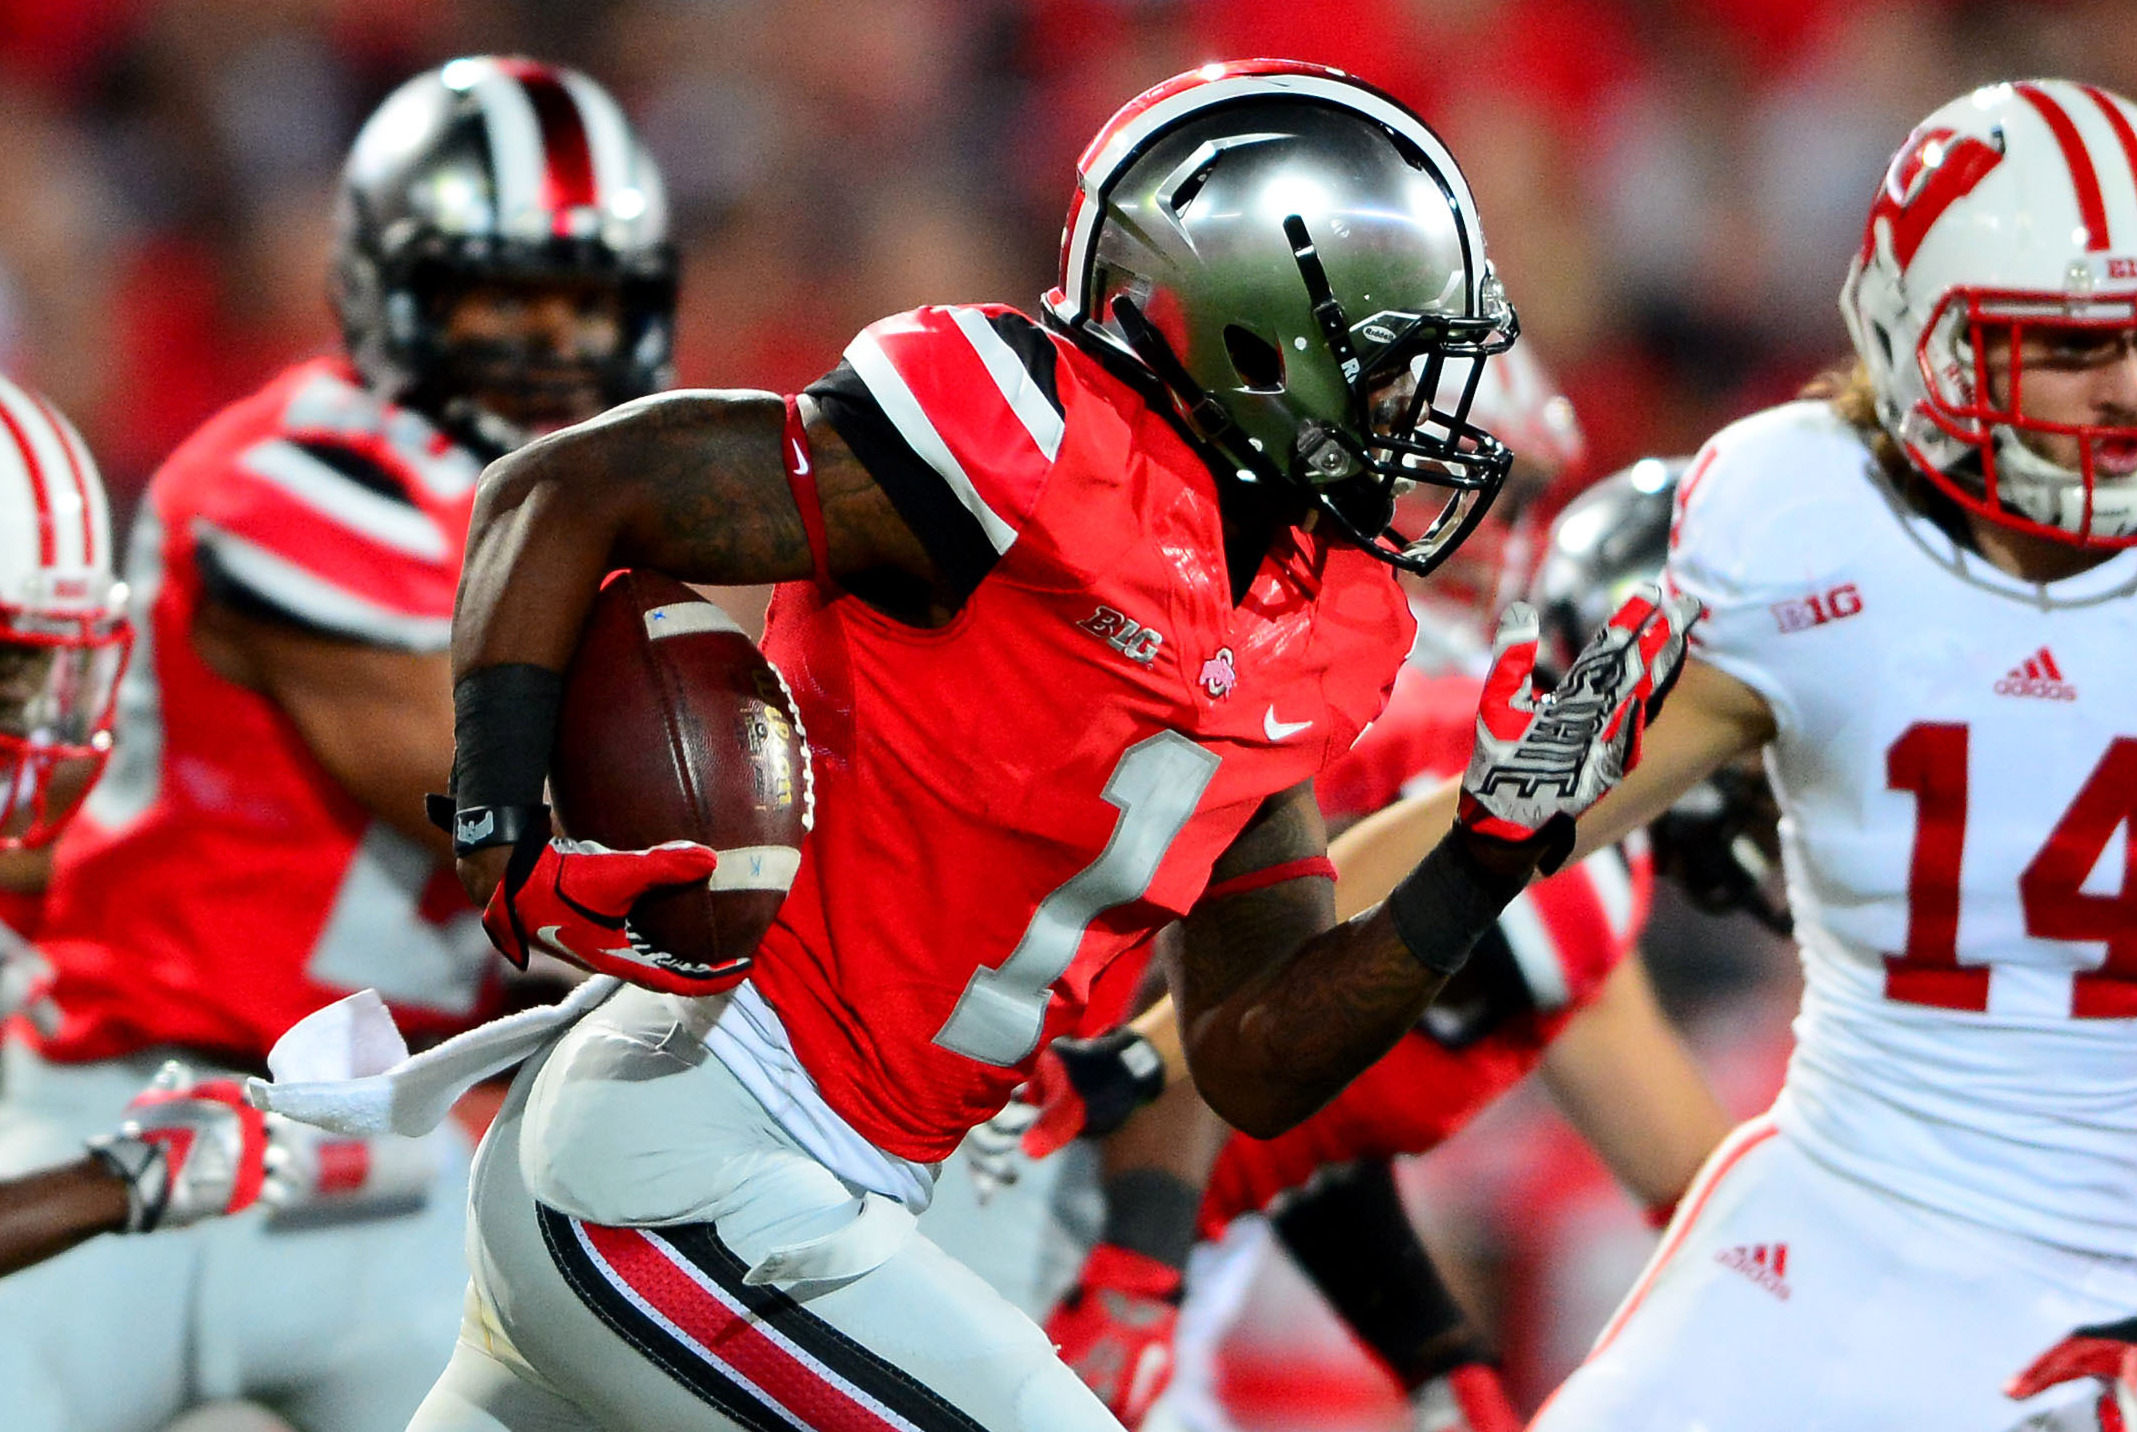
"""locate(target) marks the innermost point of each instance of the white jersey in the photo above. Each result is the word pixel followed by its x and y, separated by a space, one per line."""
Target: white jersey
pixel 1956 765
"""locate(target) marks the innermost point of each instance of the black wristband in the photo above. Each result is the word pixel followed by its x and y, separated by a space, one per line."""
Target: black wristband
pixel 479 827
pixel 1444 906
pixel 1154 1213
pixel 504 730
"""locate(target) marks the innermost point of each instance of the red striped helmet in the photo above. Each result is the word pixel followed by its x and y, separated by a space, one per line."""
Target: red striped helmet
pixel 64 636
pixel 495 169
pixel 2010 210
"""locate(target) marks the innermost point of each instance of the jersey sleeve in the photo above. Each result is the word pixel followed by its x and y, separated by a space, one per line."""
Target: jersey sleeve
pixel 1758 529
pixel 325 536
pixel 957 415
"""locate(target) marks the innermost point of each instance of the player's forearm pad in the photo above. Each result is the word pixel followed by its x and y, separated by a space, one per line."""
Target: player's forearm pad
pixel 504 729
pixel 1443 907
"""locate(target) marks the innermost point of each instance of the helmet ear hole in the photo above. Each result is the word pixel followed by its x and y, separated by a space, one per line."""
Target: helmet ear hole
pixel 1258 362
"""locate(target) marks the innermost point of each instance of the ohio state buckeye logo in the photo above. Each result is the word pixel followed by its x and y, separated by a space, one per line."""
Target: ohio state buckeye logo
pixel 1219 676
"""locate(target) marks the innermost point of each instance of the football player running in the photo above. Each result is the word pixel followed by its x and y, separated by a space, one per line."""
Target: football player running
pixel 1919 602
pixel 257 847
pixel 1075 610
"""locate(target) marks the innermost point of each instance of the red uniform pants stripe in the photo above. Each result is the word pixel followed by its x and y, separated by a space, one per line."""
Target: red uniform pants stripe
pixel 678 1296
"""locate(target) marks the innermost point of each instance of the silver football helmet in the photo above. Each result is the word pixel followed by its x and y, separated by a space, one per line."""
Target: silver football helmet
pixel 1296 259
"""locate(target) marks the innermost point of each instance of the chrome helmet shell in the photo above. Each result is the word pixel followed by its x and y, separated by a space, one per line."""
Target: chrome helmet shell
pixel 1286 251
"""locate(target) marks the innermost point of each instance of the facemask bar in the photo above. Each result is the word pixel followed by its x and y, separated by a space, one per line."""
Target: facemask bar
pixel 1959 405
pixel 59 677
pixel 1430 445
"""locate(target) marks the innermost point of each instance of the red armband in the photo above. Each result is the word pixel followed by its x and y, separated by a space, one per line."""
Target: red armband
pixel 801 480
pixel 1310 865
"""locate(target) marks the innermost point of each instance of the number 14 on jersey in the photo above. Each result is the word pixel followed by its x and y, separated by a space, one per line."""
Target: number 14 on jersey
pixel 1930 762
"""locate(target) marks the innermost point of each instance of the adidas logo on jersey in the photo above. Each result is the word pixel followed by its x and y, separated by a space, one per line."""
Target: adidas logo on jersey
pixel 1765 1264
pixel 2039 676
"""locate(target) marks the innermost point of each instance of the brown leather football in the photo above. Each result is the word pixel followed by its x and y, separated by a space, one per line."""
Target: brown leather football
pixel 675 727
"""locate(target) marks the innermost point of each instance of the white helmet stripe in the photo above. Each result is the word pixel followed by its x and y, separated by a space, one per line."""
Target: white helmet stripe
pixel 2084 179
pixel 81 469
pixel 517 164
pixel 2119 122
pixel 1124 143
pixel 608 136
pixel 22 449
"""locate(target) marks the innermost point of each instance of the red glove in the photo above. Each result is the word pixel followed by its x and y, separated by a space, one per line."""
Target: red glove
pixel 1114 1329
pixel 2107 1352
pixel 1469 1398
pixel 574 900
pixel 1540 761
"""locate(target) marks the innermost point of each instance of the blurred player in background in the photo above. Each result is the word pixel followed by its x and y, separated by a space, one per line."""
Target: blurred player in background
pixel 1551 985
pixel 1920 606
pixel 189 1149
pixel 258 847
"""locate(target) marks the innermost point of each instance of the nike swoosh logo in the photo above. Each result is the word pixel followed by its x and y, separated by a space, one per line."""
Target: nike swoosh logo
pixel 553 937
pixel 1277 730
pixel 801 460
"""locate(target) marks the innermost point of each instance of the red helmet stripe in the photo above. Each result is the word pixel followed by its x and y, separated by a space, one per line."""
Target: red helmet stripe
pixel 2120 123
pixel 2092 212
pixel 567 158
pixel 74 471
pixel 47 533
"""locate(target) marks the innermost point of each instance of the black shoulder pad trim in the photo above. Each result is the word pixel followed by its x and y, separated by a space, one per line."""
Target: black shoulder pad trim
pixel 951 534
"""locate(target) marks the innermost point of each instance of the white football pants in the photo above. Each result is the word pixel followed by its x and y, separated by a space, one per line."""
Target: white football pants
pixel 621 1201
pixel 1786 1297
pixel 336 1327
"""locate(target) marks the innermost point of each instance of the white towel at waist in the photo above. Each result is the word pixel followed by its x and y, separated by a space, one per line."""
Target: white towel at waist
pixel 346 1067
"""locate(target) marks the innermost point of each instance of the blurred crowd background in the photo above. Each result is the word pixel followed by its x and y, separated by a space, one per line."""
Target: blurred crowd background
pixel 1671 188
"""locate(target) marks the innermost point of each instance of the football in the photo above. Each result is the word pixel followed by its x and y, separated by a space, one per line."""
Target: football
pixel 675 727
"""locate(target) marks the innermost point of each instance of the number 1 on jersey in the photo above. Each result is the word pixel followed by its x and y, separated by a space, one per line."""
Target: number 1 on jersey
pixel 1155 786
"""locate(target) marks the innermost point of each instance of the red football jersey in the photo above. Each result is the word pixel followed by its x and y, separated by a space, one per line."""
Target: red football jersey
pixel 1566 933
pixel 1010 802
pixel 219 885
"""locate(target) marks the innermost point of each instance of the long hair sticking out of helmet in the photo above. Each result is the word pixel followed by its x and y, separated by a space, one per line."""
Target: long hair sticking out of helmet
pixel 1295 259
pixel 2010 211
pixel 64 634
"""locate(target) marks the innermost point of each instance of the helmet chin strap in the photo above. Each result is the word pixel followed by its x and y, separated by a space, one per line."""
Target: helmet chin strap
pixel 2040 487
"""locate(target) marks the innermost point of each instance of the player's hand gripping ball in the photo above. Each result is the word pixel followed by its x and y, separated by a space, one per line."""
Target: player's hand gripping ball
pixel 1543 759
pixel 682 783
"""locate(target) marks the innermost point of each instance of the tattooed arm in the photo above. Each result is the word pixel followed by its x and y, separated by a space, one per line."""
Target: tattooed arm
pixel 1280 1004
pixel 692 484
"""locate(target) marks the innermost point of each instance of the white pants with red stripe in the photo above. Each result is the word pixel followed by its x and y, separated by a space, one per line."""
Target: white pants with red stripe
pixel 1789 1297
pixel 626 1191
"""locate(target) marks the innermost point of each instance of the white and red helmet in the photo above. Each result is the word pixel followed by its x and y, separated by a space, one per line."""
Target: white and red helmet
pixel 64 636
pixel 2011 207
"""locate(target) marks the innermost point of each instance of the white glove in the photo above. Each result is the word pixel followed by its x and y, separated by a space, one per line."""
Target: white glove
pixel 994 1151
pixel 194 1148
pixel 26 983
pixel 1540 761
